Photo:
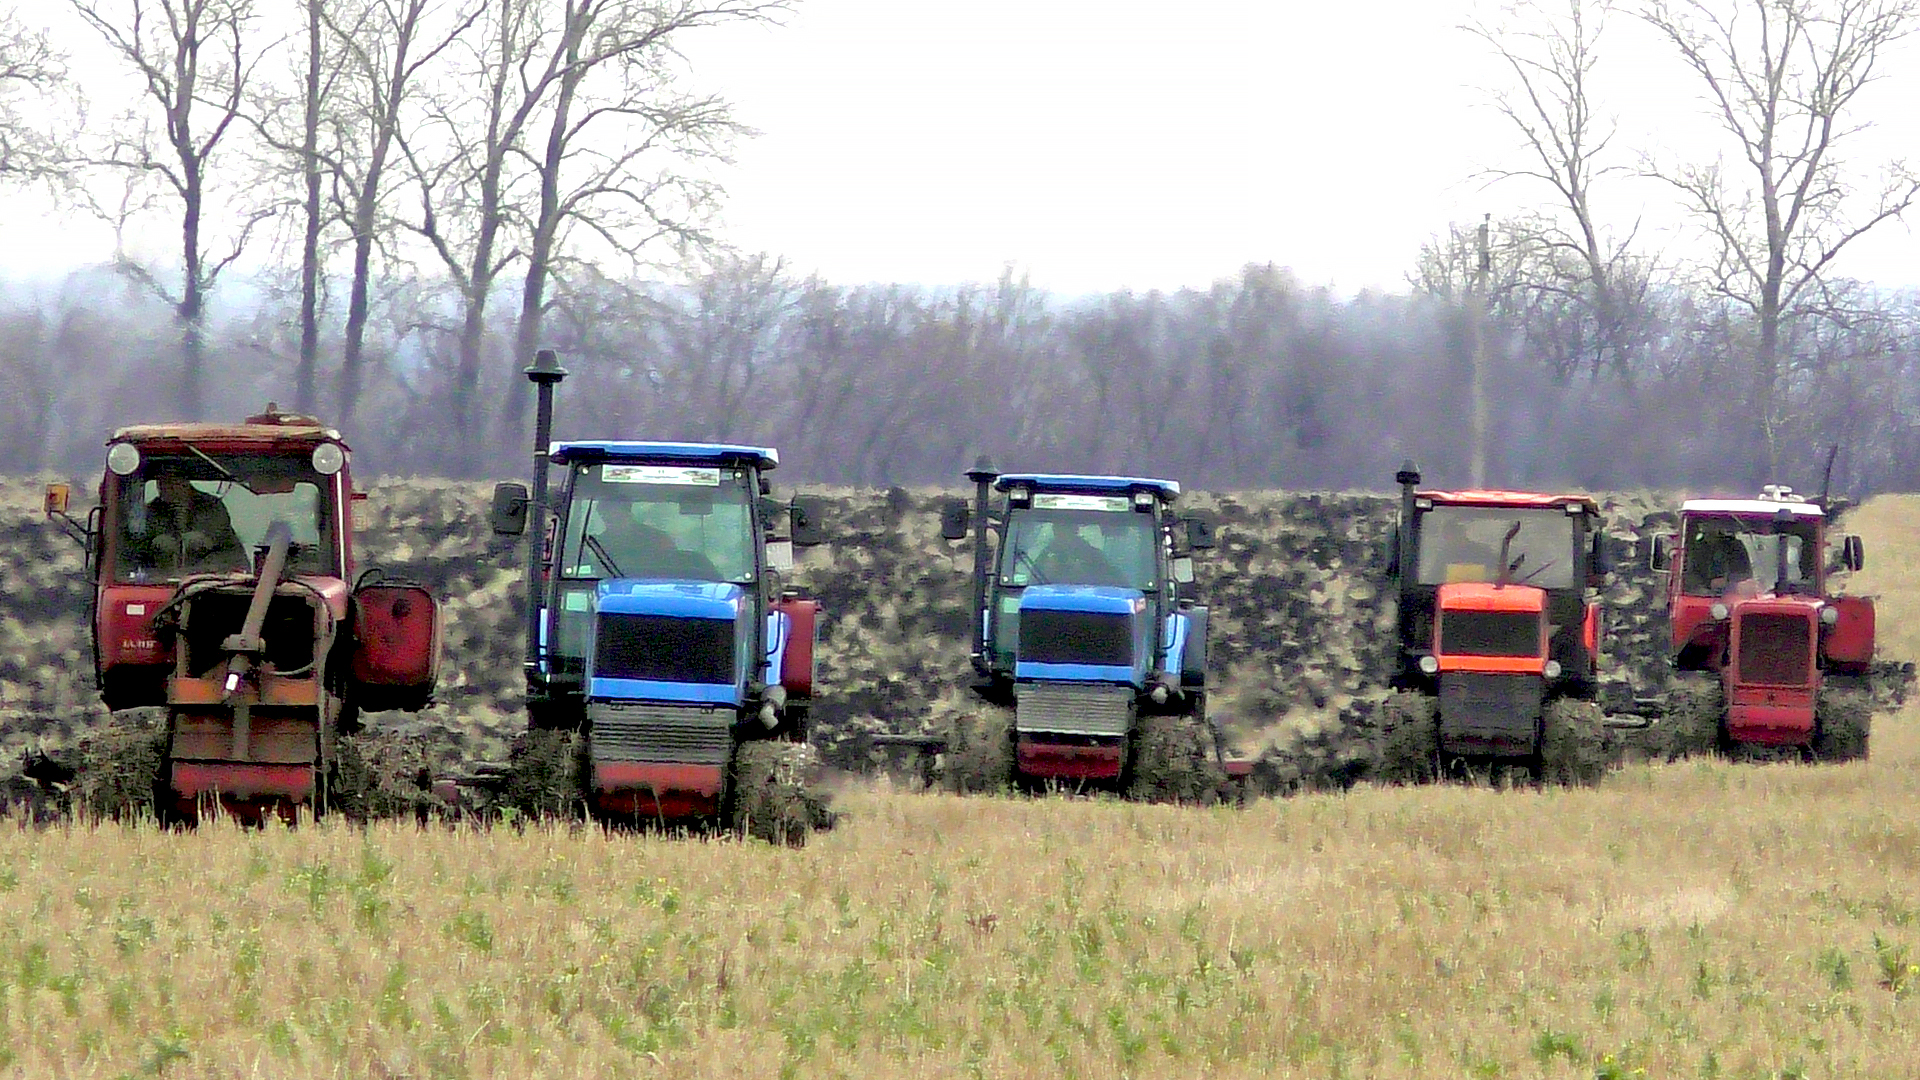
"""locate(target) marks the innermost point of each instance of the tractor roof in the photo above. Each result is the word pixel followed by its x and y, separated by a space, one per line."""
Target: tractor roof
pixel 1510 498
pixel 564 453
pixel 1752 507
pixel 270 428
pixel 1168 490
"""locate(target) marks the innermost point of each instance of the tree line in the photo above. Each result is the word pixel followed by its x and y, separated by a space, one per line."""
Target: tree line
pixel 442 186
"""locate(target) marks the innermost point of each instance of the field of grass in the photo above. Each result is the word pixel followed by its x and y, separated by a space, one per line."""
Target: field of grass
pixel 1700 919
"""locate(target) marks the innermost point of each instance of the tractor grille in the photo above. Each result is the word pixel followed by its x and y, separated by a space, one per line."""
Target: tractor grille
pixel 683 734
pixel 1076 637
pixel 209 618
pixel 1490 633
pixel 1776 648
pixel 1074 708
pixel 664 648
pixel 1489 714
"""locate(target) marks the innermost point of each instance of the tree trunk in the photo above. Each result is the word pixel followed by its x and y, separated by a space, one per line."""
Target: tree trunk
pixel 303 383
pixel 191 310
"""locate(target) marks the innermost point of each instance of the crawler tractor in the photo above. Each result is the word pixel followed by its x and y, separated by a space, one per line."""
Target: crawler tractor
pixel 1498 637
pixel 669 671
pixel 1089 652
pixel 1766 660
pixel 221 557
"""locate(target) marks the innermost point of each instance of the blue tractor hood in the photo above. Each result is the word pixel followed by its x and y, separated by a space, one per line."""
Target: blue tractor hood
pixel 1083 633
pixel 670 641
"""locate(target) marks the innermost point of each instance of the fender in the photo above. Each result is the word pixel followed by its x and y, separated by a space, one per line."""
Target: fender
pixel 1193 660
pixel 796 660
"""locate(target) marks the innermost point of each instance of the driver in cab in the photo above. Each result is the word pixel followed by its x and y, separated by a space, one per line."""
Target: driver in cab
pixel 1070 559
pixel 183 530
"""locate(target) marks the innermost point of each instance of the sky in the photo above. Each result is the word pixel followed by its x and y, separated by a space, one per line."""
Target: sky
pixel 1146 145
pixel 1096 146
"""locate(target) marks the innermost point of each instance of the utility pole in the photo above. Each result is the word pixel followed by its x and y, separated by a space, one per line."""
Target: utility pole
pixel 1477 318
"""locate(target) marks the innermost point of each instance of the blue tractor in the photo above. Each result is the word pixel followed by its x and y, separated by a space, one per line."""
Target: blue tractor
pixel 668 669
pixel 1090 653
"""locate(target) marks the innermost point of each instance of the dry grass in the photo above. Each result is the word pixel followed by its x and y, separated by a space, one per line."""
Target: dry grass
pixel 1701 919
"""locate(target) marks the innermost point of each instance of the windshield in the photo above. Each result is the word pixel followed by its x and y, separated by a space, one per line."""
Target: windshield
pixel 659 521
pixel 1462 543
pixel 185 515
pixel 1080 547
pixel 1724 553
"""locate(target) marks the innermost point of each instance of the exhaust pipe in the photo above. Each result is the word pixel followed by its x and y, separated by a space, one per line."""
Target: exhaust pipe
pixel 983 474
pixel 1408 478
pixel 544 373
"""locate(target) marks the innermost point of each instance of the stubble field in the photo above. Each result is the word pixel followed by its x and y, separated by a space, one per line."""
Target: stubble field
pixel 1698 919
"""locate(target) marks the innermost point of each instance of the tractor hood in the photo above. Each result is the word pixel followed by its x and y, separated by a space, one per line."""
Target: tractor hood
pixel 1491 628
pixel 671 641
pixel 1084 633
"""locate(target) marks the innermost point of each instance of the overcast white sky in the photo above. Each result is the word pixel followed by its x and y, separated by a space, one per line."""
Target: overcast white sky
pixel 1129 144
pixel 1141 144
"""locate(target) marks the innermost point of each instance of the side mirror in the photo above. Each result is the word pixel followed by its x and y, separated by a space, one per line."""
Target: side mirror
pixel 780 556
pixel 809 516
pixel 956 520
pixel 509 514
pixel 1600 559
pixel 1853 553
pixel 1183 570
pixel 56 508
pixel 1660 555
pixel 1199 532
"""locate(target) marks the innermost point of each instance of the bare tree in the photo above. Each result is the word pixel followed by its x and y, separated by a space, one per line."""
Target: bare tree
pixel 1550 49
pixel 33 81
pixel 289 122
pixel 382 48
pixel 618 136
pixel 476 171
pixel 1782 78
pixel 193 59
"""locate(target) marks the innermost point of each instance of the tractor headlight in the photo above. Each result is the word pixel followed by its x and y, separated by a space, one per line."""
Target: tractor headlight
pixel 1551 669
pixel 1430 664
pixel 327 458
pixel 123 458
pixel 1143 500
pixel 1718 611
pixel 1830 615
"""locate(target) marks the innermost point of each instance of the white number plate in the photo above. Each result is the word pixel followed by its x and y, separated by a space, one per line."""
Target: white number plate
pixel 680 475
pixel 1081 502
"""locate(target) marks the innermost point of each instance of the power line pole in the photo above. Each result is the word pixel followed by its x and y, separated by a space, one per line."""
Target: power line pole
pixel 1477 317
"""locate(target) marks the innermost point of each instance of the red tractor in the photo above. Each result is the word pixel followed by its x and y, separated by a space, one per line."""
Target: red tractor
pixel 1766 661
pixel 1499 636
pixel 221 558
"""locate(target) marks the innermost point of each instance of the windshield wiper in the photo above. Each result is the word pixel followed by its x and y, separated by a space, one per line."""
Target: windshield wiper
pixel 606 560
pixel 221 469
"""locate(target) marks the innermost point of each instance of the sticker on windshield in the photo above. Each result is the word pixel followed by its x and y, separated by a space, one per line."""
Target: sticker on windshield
pixel 1081 502
pixel 679 475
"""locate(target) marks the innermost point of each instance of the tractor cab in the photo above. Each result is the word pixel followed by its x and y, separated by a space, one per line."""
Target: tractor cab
pixel 1499 629
pixel 664 628
pixel 223 570
pixel 1084 621
pixel 1748 599
pixel 1489 579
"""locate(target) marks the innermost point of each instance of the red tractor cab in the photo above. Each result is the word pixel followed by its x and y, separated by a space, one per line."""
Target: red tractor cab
pixel 221 557
pixel 1764 655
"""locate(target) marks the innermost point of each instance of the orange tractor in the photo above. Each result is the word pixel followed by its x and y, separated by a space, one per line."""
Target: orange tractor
pixel 1499 635
pixel 221 558
pixel 1767 660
